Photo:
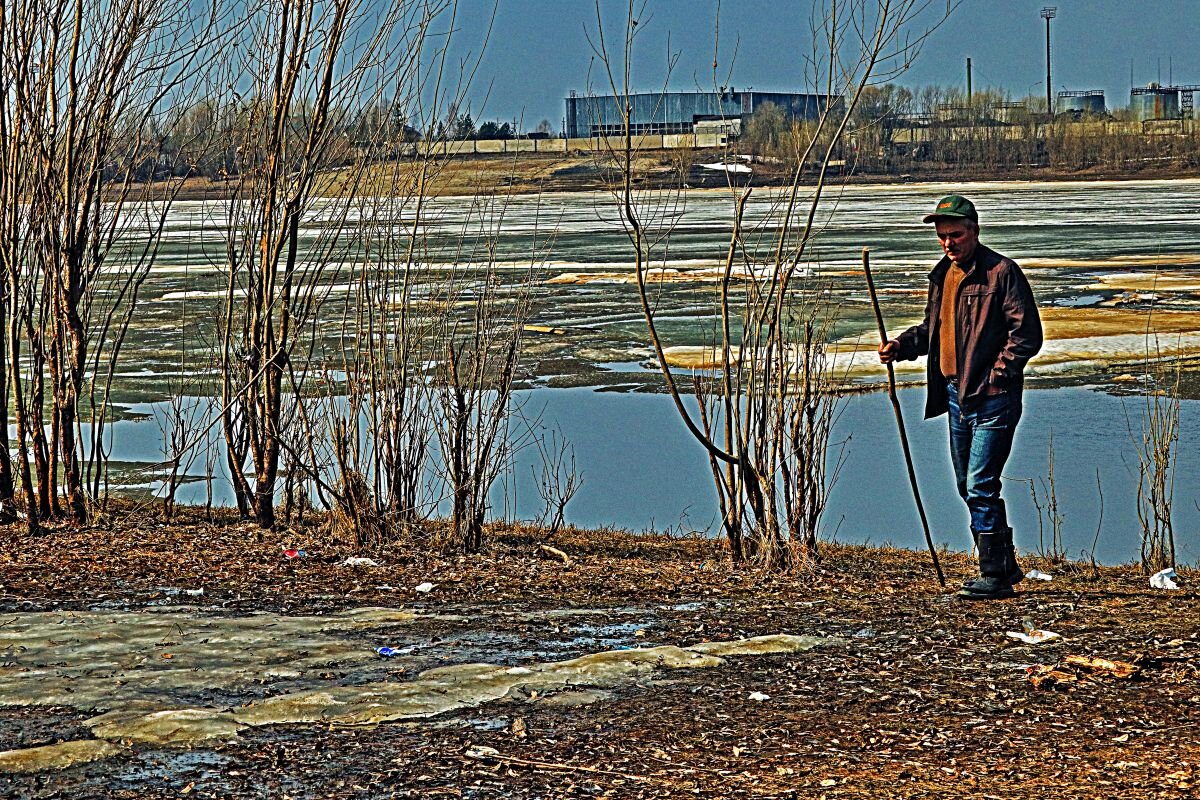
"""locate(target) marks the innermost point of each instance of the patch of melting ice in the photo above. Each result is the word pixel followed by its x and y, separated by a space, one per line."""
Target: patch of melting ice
pixel 477 645
pixel 138 667
pixel 563 636
pixel 482 724
pixel 1080 301
pixel 106 659
pixel 626 366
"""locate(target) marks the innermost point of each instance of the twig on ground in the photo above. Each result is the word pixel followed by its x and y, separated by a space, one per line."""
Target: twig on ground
pixel 490 754
pixel 554 551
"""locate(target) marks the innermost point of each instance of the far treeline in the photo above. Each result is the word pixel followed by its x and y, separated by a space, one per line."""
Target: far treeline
pixel 895 130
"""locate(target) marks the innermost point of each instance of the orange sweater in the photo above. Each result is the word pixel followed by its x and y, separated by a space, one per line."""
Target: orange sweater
pixel 947 346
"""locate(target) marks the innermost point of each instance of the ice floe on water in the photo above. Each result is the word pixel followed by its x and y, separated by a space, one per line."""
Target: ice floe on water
pixel 197 294
pixel 1149 261
pixel 1153 280
pixel 1060 355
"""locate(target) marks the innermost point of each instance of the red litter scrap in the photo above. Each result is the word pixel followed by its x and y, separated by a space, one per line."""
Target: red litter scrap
pixel 294 553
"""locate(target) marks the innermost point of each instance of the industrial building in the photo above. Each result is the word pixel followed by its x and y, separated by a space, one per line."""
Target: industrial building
pixel 679 112
pixel 1154 102
pixel 1087 103
pixel 1162 102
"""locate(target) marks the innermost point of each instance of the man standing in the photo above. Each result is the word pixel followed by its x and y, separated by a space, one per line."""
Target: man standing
pixel 981 326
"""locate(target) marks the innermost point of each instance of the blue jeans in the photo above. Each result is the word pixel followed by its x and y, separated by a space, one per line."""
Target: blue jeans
pixel 980 442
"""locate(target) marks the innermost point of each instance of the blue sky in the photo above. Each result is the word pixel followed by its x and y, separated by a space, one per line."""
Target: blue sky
pixel 538 50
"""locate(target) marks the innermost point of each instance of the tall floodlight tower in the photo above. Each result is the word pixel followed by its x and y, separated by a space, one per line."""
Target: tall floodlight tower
pixel 1049 13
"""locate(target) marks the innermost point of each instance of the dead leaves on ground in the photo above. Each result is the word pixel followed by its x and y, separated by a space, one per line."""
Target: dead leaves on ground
pixel 1074 668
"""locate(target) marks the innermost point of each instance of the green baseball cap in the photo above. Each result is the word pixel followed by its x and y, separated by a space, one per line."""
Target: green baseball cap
pixel 953 205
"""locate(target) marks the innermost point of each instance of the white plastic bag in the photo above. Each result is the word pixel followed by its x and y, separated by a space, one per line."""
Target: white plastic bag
pixel 1034 636
pixel 1164 579
pixel 355 561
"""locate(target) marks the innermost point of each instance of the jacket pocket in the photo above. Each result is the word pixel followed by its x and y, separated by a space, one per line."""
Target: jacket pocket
pixel 977 295
pixel 975 305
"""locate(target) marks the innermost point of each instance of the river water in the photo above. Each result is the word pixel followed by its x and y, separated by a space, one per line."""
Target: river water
pixel 1092 251
pixel 642 470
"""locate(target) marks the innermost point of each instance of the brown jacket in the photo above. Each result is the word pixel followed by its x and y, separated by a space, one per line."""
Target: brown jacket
pixel 998 330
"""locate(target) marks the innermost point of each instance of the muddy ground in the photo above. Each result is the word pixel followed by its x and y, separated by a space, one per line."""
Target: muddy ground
pixel 912 695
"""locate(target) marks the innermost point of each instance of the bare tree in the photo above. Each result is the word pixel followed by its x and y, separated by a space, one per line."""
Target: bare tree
pixel 558 480
pixel 1156 441
pixel 765 414
pixel 310 67
pixel 479 354
pixel 86 90
pixel 375 426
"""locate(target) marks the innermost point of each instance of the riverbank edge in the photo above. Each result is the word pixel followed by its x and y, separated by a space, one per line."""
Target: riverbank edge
pixel 131 556
pixel 523 175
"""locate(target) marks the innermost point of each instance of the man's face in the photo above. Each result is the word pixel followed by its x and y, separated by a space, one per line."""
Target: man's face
pixel 959 237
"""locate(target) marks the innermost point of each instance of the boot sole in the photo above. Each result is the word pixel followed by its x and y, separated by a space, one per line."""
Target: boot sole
pixel 1003 594
pixel 1013 579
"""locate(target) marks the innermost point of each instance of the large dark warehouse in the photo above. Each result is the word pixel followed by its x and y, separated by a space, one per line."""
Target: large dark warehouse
pixel 678 112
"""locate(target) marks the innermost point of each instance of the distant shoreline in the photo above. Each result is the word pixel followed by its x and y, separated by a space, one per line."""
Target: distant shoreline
pixel 535 173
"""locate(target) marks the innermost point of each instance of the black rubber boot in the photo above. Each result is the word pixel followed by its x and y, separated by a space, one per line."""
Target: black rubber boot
pixel 975 542
pixel 1015 574
pixel 994 567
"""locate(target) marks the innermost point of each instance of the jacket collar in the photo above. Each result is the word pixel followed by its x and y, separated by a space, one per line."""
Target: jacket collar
pixel 983 255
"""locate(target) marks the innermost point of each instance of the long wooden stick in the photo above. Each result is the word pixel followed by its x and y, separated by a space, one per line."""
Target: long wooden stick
pixel 912 475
